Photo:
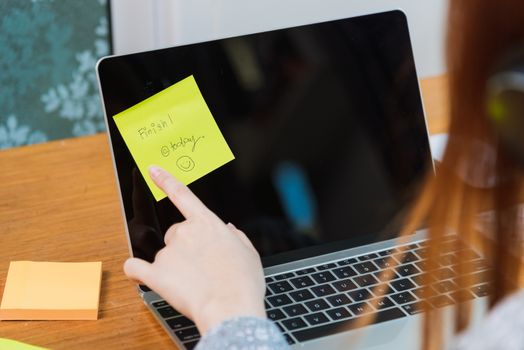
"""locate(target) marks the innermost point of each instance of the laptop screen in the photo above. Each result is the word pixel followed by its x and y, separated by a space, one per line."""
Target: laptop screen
pixel 325 122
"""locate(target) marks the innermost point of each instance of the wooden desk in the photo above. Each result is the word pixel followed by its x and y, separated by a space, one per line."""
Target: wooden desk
pixel 58 202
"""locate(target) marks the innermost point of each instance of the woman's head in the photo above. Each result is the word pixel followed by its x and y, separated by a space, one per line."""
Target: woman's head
pixel 478 172
pixel 481 34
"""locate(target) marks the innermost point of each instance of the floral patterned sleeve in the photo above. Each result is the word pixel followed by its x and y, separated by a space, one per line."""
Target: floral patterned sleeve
pixel 243 333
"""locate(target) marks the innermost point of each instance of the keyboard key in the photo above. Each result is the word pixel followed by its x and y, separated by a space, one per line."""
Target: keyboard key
pixel 295 310
pixel 444 286
pixel 280 327
pixel 360 294
pixel 280 287
pixel 474 278
pixel 317 305
pixel 468 254
pixel 443 273
pixel 294 323
pixel 191 344
pixel 402 284
pixel 448 259
pixel 338 313
pixel 334 328
pixel 323 290
pixel 166 312
pixel 338 300
pixel 275 314
pixel 451 246
pixel 481 290
pixel 478 265
pixel 422 252
pixel 326 267
pixel 384 303
pixel 179 322
pixel 387 252
pixel 269 279
pixel 266 305
pixel 365 280
pixel 344 272
pixel 289 340
pixel 279 300
pixel 302 282
pixel 422 265
pixel 423 279
pixel 462 295
pixel 419 292
pixel 414 308
pixel 367 257
pixel 323 277
pixel 384 262
pixel 382 289
pixel 346 262
pixel 301 295
pixel 484 275
pixel 316 318
pixel 365 267
pixel 381 275
pixel 360 308
pixel 284 276
pixel 160 303
pixel 441 301
pixel 403 298
pixel 406 257
pixel 344 285
pixel 305 271
pixel 407 270
pixel 268 292
pixel 188 334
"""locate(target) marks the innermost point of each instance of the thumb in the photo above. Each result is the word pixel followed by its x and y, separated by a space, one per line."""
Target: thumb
pixel 138 270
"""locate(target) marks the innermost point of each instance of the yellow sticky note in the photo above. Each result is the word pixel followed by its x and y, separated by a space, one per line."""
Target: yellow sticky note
pixel 8 344
pixel 51 291
pixel 175 130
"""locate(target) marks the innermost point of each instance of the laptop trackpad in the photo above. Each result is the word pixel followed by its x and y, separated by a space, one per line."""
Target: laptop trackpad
pixel 397 334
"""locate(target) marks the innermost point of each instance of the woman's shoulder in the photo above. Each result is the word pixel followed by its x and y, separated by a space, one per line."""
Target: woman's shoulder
pixel 503 327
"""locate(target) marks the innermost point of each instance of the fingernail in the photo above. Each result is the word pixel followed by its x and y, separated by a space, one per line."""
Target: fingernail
pixel 154 171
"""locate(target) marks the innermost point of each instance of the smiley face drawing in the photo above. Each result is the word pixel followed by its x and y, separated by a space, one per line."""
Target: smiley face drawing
pixel 185 163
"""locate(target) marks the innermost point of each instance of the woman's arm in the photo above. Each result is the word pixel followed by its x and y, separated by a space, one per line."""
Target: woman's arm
pixel 210 272
pixel 243 333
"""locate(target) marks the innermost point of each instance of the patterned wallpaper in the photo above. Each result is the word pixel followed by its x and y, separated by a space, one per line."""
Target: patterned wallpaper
pixel 48 52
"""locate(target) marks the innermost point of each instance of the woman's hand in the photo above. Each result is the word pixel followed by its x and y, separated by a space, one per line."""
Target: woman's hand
pixel 209 271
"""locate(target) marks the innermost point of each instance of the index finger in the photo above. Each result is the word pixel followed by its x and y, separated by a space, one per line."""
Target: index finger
pixel 181 196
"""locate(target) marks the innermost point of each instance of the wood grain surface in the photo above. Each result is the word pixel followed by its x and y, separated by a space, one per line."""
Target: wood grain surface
pixel 436 103
pixel 58 202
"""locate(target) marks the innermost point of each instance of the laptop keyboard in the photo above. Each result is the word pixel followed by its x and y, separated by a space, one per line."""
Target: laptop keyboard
pixel 329 298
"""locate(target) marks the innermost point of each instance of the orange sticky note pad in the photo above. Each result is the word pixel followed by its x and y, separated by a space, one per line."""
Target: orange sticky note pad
pixel 51 291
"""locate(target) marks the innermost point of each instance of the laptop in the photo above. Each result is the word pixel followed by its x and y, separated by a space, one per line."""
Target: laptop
pixel 330 141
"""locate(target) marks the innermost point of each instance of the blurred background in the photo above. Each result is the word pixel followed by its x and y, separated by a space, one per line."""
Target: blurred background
pixel 49 48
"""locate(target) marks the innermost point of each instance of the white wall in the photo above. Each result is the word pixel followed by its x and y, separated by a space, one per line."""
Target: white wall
pixel 143 25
